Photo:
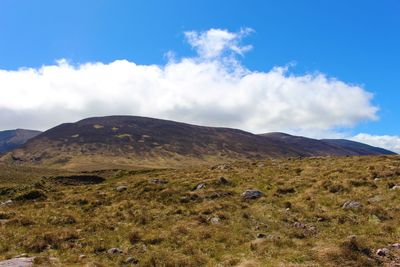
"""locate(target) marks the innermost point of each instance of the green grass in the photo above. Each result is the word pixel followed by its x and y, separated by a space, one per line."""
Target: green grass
pixel 170 225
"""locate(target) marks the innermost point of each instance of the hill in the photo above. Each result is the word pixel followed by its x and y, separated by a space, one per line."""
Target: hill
pixel 117 141
pixel 12 139
pixel 341 147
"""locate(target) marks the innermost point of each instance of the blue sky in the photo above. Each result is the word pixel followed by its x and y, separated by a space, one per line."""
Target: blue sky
pixel 356 42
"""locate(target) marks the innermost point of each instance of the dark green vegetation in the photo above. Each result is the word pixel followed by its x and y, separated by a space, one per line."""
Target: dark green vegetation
pixel 128 141
pixel 313 212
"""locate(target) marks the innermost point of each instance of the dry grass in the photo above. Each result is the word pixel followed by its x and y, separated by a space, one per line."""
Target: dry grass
pixel 169 224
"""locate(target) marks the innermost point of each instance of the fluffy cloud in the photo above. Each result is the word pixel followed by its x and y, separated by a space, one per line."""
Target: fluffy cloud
pixel 391 142
pixel 211 88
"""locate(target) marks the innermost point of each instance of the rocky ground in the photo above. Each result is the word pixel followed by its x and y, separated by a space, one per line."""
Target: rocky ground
pixel 282 212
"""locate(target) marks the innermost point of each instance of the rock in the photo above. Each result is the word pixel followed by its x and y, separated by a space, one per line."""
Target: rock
pixel 252 194
pixel 82 256
pixel 121 188
pixel 23 255
pixel 299 225
pixel 396 187
pixel 131 260
pixel 396 245
pixel 199 186
pixel 114 251
pixel 351 204
pixel 7 202
pixel 215 220
pixel 158 181
pixel 261 235
pixel 222 180
pixel 382 252
pixel 18 262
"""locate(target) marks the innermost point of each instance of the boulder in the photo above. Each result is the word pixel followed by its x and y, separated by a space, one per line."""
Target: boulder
pixel 252 194
pixel 351 204
pixel 114 251
pixel 382 252
pixel 18 262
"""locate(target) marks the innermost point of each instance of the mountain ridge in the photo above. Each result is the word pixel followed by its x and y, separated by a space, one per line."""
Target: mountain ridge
pixel 142 141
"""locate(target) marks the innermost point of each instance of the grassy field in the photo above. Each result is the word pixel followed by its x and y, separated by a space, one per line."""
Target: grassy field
pixel 157 217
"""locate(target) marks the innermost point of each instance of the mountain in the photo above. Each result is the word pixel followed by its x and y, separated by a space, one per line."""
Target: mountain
pixel 341 147
pixel 139 141
pixel 12 139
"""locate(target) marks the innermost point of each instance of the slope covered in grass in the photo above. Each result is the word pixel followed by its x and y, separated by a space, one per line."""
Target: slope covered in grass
pixel 192 217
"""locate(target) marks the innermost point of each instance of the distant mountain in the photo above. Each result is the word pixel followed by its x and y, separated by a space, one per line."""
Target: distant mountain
pixel 358 147
pixel 140 141
pixel 12 139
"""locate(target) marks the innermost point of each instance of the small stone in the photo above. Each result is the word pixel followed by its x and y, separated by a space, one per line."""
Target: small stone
pixel 351 204
pixel 131 260
pixel 82 256
pixel 199 186
pixel 114 251
pixel 215 220
pixel 222 180
pixel 299 225
pixel 158 181
pixel 261 235
pixel 252 194
pixel 121 188
pixel 7 202
pixel 20 262
pixel 396 187
pixel 396 245
pixel 382 252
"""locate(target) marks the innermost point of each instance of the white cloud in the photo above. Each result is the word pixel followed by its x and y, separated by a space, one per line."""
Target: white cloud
pixel 212 88
pixel 390 142
pixel 214 42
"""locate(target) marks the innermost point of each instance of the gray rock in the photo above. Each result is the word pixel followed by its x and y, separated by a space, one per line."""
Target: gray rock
pixel 261 235
pixel 252 194
pixel 351 204
pixel 158 181
pixel 382 252
pixel 215 220
pixel 199 186
pixel 7 202
pixel 396 245
pixel 121 188
pixel 299 225
pixel 114 251
pixel 18 262
pixel 396 187
pixel 131 260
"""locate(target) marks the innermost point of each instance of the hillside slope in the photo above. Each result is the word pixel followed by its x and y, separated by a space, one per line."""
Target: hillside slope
pixel 12 139
pixel 138 141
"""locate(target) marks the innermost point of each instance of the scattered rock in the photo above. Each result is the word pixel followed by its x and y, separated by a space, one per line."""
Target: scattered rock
pixel 158 181
pixel 382 252
pixel 114 251
pixel 7 202
pixel 396 187
pixel 81 257
pixel 18 262
pixel 299 225
pixel 121 188
pixel 351 204
pixel 252 194
pixel 199 186
pixel 222 180
pixel 261 235
pixel 396 245
pixel 131 260
pixel 215 220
